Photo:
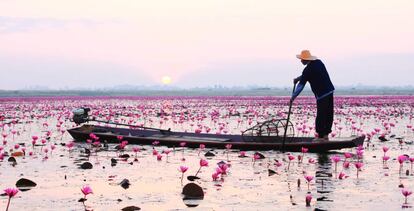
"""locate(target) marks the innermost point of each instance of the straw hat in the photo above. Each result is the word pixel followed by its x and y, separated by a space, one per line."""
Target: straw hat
pixel 306 55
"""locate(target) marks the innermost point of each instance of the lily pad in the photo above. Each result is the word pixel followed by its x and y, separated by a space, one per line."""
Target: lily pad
pixel 113 162
pixel 209 154
pixel 82 200
pixel 193 191
pixel 271 172
pixel 261 156
pixel 193 194
pixel 125 183
pixel 192 178
pixel 131 208
pixel 24 184
pixel 86 165
pixel 12 159
pixel 124 156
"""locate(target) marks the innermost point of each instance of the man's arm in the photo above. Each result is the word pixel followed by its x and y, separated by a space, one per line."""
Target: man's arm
pixel 302 82
pixel 298 90
pixel 297 79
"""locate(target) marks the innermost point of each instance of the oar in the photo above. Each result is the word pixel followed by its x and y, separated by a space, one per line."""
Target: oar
pixel 287 120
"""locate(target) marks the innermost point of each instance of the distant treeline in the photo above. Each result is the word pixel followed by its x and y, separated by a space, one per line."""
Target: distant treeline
pixel 198 92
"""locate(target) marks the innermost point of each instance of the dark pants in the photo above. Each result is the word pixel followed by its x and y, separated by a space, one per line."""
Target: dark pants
pixel 324 115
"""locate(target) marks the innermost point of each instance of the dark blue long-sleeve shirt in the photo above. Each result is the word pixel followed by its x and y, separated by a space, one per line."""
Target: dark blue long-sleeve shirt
pixel 316 74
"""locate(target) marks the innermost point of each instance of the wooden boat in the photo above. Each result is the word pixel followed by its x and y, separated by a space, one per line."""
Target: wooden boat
pixel 245 141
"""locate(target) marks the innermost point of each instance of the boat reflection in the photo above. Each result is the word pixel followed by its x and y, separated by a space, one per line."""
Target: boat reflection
pixel 324 183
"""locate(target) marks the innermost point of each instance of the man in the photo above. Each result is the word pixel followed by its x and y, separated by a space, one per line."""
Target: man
pixel 315 73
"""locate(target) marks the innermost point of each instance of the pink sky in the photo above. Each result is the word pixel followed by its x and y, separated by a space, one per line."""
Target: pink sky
pixel 200 43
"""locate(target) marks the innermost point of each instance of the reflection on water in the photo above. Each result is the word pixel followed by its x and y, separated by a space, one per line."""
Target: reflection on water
pixel 155 184
pixel 323 179
pixel 191 202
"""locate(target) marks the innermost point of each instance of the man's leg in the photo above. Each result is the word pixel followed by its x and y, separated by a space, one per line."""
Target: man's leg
pixel 320 118
pixel 329 114
pixel 324 116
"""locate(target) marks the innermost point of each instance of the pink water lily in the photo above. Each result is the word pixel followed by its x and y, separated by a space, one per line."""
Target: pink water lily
pixel 10 192
pixel 342 175
pixel 304 150
pixel 358 166
pixel 203 163
pixel 360 153
pixel 401 160
pixel 182 169
pixel 255 157
pixel 290 157
pixel 222 169
pixel 300 158
pixel 308 179
pixel 411 159
pixel 311 161
pixel 159 157
pixel 308 200
pixel 136 149
pixel 70 145
pixel 86 190
pixel 93 136
pixel 215 176
pixel 347 155
pixel 346 164
pixel 182 144
pixel 335 159
pixel 228 147
pixel 278 164
pixel 406 193
pixel 122 145
pixel 201 148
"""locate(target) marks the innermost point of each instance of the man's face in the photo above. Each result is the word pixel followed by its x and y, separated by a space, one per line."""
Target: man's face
pixel 304 62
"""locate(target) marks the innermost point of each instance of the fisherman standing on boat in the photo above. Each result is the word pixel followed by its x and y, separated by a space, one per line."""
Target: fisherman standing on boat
pixel 316 74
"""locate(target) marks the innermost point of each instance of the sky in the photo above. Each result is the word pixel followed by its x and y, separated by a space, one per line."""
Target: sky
pixel 93 44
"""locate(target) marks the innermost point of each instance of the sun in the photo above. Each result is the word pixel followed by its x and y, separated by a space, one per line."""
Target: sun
pixel 166 80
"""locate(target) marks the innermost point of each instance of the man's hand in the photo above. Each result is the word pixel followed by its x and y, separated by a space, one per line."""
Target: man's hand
pixel 296 80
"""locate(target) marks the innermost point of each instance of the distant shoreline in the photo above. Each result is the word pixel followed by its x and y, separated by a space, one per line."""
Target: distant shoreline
pixel 195 92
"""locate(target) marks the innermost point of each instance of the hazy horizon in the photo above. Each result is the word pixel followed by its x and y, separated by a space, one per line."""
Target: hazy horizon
pixel 95 44
pixel 129 87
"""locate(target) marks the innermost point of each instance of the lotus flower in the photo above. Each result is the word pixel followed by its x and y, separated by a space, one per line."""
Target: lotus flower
pixel 10 192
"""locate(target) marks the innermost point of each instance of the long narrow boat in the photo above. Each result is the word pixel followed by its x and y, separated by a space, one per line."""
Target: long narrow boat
pixel 142 136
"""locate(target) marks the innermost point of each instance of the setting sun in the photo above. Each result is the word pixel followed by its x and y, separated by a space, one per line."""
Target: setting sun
pixel 166 80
